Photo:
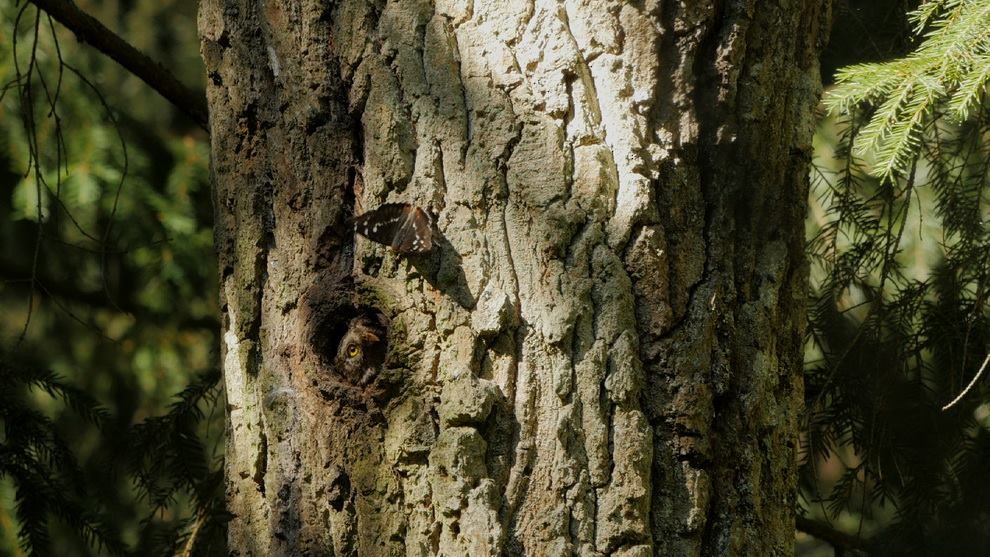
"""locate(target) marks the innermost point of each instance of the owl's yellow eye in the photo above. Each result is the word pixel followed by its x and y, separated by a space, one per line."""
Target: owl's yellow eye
pixel 353 350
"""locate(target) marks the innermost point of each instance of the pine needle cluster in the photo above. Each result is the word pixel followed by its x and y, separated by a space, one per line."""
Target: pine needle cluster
pixel 899 322
pixel 946 76
pixel 47 479
pixel 166 461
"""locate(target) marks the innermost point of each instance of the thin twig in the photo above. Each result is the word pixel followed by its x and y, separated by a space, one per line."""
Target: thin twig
pixel 120 184
pixel 970 386
pixel 190 545
pixel 14 276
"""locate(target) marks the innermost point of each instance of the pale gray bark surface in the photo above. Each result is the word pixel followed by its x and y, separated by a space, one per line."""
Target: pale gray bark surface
pixel 602 355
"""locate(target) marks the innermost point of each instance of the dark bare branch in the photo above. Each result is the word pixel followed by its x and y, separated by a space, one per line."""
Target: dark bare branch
pixel 89 30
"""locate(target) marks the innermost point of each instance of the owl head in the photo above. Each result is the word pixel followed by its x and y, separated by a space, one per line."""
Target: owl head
pixel 361 351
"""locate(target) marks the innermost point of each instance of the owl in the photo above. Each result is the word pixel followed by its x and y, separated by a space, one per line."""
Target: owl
pixel 361 352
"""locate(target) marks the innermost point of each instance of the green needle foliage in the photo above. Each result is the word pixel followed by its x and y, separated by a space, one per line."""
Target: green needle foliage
pixel 165 459
pixel 947 74
pixel 47 479
pixel 899 322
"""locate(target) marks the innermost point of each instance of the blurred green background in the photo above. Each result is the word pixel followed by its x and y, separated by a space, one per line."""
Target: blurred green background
pixel 111 283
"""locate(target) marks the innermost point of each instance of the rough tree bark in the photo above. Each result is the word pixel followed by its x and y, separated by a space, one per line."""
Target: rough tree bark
pixel 602 354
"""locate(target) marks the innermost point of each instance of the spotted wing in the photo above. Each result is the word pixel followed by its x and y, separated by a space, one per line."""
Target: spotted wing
pixel 406 228
pixel 415 235
pixel 381 224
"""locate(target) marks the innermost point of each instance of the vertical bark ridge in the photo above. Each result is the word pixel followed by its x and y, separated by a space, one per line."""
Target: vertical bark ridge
pixel 731 425
pixel 536 212
pixel 280 202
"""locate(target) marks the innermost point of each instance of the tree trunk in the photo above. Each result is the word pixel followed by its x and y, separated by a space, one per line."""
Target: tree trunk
pixel 602 352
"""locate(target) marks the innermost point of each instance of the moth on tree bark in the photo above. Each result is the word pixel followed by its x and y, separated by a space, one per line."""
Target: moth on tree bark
pixel 602 352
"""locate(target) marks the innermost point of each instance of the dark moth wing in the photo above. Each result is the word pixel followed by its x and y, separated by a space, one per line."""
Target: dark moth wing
pixel 406 228
pixel 415 235
pixel 381 224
